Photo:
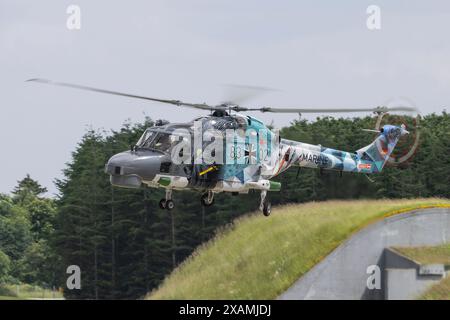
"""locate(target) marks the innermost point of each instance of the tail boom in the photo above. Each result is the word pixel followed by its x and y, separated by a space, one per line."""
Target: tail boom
pixel 370 159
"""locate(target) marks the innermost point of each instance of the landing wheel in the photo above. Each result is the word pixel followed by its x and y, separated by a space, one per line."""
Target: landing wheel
pixel 167 203
pixel 267 208
pixel 170 205
pixel 162 203
pixel 207 199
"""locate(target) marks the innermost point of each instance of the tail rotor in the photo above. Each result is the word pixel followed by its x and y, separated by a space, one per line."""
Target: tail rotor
pixel 408 130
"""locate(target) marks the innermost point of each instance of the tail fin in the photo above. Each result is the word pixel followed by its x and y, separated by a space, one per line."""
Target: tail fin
pixel 380 149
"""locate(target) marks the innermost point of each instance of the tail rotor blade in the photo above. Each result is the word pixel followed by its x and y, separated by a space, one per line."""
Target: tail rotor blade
pixel 371 130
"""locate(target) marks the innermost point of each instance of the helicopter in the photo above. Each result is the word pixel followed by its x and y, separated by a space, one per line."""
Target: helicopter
pixel 230 151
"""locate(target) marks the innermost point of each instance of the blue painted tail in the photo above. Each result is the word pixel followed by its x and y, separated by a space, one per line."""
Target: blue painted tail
pixel 378 151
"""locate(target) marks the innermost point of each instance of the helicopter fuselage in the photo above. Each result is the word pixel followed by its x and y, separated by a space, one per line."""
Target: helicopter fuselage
pixel 251 156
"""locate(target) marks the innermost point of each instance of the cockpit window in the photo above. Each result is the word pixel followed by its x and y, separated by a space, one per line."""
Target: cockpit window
pixel 146 139
pixel 162 141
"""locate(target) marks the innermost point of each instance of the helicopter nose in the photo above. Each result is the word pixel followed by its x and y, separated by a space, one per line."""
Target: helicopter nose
pixel 130 168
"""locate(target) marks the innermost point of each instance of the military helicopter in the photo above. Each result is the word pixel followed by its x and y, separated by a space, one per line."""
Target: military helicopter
pixel 229 151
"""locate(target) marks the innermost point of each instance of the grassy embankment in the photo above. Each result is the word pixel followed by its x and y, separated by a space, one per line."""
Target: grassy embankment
pixel 427 255
pixel 26 292
pixel 259 257
pixel 440 291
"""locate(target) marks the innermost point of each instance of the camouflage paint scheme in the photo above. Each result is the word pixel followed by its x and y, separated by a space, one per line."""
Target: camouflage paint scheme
pixel 255 156
pixel 370 159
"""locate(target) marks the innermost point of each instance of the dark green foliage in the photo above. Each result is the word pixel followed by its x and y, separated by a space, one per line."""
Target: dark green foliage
pixel 26 224
pixel 5 266
pixel 27 189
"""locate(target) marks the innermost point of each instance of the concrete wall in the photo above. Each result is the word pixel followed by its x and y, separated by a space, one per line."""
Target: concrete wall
pixel 403 276
pixel 343 273
pixel 403 284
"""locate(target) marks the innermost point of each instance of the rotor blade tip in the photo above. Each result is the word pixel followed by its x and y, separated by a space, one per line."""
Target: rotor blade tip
pixel 38 80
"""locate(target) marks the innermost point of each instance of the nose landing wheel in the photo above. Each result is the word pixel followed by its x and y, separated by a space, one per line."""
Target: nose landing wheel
pixel 162 203
pixel 167 203
pixel 265 206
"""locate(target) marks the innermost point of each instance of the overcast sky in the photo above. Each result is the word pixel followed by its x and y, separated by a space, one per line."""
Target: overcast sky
pixel 316 53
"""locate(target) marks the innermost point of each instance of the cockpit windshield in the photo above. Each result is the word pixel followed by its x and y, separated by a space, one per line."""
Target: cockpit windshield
pixel 157 140
pixel 162 142
pixel 146 139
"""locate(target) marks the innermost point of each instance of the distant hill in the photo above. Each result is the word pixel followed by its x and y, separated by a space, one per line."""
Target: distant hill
pixel 259 258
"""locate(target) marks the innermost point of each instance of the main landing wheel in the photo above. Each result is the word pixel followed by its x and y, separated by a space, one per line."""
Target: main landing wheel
pixel 170 205
pixel 267 208
pixel 166 204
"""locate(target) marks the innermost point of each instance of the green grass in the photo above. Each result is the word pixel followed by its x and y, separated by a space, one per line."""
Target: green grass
pixel 440 291
pixel 427 255
pixel 25 292
pixel 259 257
pixel 9 298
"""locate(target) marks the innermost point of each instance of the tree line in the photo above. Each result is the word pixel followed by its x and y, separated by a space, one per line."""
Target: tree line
pixel 125 245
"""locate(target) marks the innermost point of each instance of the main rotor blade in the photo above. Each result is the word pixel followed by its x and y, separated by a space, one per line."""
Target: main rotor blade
pixel 81 87
pixel 382 109
pixel 237 108
pixel 236 94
